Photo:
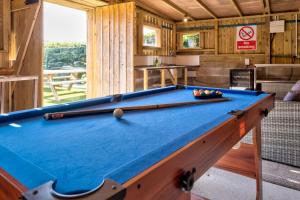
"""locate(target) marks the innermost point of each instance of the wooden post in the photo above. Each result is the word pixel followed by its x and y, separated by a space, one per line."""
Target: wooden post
pixel 257 158
pixel 35 93
pixel 216 37
pixel 163 77
pixel 146 79
pixel 9 97
pixel 267 41
pixel 175 76
pixel 52 87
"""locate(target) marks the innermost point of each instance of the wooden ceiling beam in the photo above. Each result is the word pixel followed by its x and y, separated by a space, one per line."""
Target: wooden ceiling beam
pixel 246 17
pixel 237 8
pixel 204 7
pixel 262 4
pixel 173 5
pixel 268 8
pixel 152 10
pixel 71 4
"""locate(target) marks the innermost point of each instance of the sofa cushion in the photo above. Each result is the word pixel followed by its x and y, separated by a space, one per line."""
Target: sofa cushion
pixel 296 86
pixel 294 94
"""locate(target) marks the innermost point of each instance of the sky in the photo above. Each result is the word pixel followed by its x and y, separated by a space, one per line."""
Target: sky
pixel 63 24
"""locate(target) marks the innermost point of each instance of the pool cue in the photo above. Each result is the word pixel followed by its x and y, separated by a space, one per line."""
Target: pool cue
pixel 70 114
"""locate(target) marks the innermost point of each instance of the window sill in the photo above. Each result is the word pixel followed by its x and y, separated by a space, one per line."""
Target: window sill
pixel 151 47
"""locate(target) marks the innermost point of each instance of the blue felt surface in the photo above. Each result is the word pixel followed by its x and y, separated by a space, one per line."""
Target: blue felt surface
pixel 80 152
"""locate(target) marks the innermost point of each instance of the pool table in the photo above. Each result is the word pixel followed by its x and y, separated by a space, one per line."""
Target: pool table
pixel 147 154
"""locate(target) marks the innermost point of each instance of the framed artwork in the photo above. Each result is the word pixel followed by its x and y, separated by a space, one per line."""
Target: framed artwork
pixel 190 41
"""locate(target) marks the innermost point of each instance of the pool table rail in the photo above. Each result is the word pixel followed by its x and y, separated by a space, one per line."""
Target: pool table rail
pixel 10 188
pixel 109 190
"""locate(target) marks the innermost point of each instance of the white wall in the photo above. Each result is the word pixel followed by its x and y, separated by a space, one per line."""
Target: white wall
pixel 187 60
pixel 148 60
pixel 178 60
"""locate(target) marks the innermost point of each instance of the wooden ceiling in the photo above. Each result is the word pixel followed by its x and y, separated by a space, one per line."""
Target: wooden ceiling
pixel 77 4
pixel 177 10
pixel 209 9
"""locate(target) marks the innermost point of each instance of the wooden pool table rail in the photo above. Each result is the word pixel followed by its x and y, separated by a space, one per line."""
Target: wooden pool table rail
pixel 10 188
pixel 162 180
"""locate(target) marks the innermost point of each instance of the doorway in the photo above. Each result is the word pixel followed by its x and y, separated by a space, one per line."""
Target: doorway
pixel 64 60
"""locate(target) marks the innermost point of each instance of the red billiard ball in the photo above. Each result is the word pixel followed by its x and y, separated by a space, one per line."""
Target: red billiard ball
pixel 196 93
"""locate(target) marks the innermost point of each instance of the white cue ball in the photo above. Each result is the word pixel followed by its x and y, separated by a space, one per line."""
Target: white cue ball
pixel 118 113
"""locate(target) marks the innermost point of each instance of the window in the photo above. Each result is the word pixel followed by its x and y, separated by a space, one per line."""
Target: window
pixel 151 36
pixel 190 41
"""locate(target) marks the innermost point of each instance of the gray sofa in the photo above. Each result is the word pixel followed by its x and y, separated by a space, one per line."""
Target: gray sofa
pixel 281 130
pixel 281 134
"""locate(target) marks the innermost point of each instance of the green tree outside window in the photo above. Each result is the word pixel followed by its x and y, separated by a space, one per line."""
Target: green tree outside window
pixel 191 40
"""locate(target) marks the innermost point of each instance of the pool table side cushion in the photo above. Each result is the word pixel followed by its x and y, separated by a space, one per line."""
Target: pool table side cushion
pixel 17 115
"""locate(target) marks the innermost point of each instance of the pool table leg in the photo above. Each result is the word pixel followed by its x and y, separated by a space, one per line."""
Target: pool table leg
pixel 187 196
pixel 175 75
pixel 257 159
pixel 163 77
pixel 146 77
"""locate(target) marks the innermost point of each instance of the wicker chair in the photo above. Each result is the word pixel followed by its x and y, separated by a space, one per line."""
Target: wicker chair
pixel 281 134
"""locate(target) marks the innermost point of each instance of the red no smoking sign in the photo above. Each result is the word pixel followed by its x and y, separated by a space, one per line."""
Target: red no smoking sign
pixel 246 38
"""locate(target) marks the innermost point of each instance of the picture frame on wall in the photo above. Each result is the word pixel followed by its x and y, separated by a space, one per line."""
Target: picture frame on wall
pixel 190 41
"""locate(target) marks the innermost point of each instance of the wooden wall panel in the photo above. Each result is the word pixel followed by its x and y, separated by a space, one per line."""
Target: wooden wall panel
pixel 123 50
pixel 112 69
pixel 4 35
pixel 116 48
pixel 274 48
pixel 92 75
pixel 130 43
pixel 3 59
pixel 283 49
pixel 1 25
pixel 4 25
pixel 32 64
pixel 225 31
pixel 16 25
pixel 168 35
pixel 214 69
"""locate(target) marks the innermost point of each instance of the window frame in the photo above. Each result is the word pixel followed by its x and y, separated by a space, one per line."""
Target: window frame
pixel 158 36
